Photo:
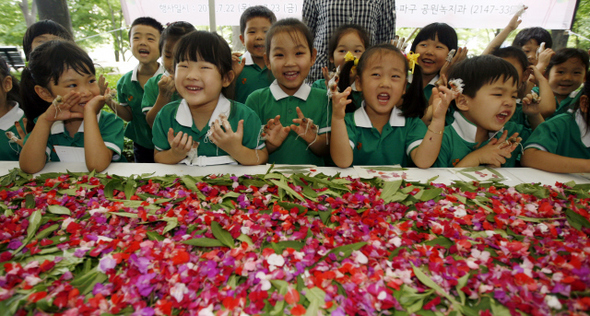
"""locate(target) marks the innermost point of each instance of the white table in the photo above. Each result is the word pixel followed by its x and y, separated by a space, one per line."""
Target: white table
pixel 513 176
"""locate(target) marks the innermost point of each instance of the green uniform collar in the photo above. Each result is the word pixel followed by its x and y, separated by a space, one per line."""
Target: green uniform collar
pixel 59 128
pixel 14 115
pixel 584 132
pixel 361 118
pixel 467 130
pixel 279 94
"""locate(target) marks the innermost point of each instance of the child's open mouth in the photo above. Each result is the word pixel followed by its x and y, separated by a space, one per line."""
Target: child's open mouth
pixel 383 98
pixel 291 75
pixel 193 88
pixel 503 116
pixel 428 61
pixel 144 52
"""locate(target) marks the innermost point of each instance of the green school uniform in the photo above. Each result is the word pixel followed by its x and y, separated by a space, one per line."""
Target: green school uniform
pixel 130 94
pixel 390 147
pixel 151 92
pixel 273 101
pixel 565 135
pixel 459 141
pixel 251 79
pixel 566 104
pixel 111 130
pixel 519 117
pixel 177 115
pixel 9 150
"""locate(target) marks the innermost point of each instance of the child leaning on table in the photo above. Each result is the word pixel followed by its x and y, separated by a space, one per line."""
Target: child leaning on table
pixel 562 144
pixel 61 97
pixel 159 90
pixel 205 123
pixel 251 71
pixel 296 115
pixel 380 132
pixel 480 132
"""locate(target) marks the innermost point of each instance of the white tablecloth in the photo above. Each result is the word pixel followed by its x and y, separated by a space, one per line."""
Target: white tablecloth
pixel 513 176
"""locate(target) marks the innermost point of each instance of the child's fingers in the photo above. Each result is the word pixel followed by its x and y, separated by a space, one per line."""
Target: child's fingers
pixel 299 113
pixel 177 140
pixel 170 135
pixel 189 144
pixel 19 129
pixel 240 129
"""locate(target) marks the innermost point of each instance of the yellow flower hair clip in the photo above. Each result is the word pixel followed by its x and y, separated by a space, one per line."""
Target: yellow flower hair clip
pixel 350 57
pixel 412 60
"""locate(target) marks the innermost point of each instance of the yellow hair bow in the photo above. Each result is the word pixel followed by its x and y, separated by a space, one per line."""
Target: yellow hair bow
pixel 412 60
pixel 350 57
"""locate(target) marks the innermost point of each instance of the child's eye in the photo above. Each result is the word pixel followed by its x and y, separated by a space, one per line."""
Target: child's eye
pixel 375 75
pixel 358 51
pixel 92 80
pixel 73 85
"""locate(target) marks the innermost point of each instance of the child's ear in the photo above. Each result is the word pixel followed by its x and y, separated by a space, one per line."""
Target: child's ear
pixel 357 84
pixel 314 54
pixel 242 39
pixel 462 102
pixel 266 61
pixel 228 79
pixel 584 103
pixel 44 94
pixel 7 84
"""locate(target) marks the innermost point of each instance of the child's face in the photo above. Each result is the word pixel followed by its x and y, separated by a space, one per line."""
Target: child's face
pixel 349 42
pixel 255 35
pixel 383 82
pixel 167 55
pixel 492 106
pixel 567 77
pixel 71 81
pixel 530 49
pixel 43 38
pixel 290 60
pixel 144 43
pixel 199 82
pixel 433 55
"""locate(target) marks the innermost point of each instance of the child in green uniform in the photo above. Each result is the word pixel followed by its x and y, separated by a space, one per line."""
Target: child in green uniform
pixel 295 114
pixel 380 132
pixel 61 95
pixel 348 42
pixel 518 59
pixel 144 37
pixel 479 134
pixel 252 73
pixel 159 90
pixel 11 115
pixel 205 126
pixel 566 73
pixel 44 31
pixel 562 144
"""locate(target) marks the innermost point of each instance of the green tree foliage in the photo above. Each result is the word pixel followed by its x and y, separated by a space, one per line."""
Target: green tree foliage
pixel 581 26
pixel 12 23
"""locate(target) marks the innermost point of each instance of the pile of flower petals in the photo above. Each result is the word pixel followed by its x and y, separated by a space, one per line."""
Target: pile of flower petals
pixel 86 244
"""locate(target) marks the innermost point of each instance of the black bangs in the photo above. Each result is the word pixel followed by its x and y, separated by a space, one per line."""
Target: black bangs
pixel 481 70
pixel 50 60
pixel 206 46
pixel 446 35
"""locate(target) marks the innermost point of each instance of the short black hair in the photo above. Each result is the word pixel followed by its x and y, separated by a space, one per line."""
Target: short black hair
pixel 254 12
pixel 291 26
pixel 446 35
pixel 44 27
pixel 481 70
pixel 513 52
pixel 14 94
pixel 562 55
pixel 539 34
pixel 174 31
pixel 146 20
pixel 209 47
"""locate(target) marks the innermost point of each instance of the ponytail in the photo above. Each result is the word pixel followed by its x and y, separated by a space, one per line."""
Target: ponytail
pixel 345 81
pixel 414 102
pixel 32 105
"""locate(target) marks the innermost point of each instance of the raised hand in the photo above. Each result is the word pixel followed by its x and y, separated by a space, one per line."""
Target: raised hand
pixel 60 109
pixel 306 128
pixel 275 133
pixel 180 144
pixel 237 64
pixel 460 55
pixel 224 137
pixel 166 86
pixel 496 151
pixel 102 84
pixel 442 97
pixel 339 102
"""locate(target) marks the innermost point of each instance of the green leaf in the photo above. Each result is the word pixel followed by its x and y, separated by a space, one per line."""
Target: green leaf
pixel 130 188
pixel 110 187
pixel 280 246
pixel 222 235
pixel 441 241
pixel 204 242
pixel 316 298
pixel 460 284
pixel 191 184
pixel 282 286
pixel 172 223
pixel 389 190
pixel 289 206
pixel 47 231
pixel 29 201
pixel 499 309
pixel 246 239
pixel 429 194
pixel 58 209
pixel 576 220
pixel 431 284
pixel 283 185
pixel 154 236
pixel 34 223
pixel 125 214
pixel 534 189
